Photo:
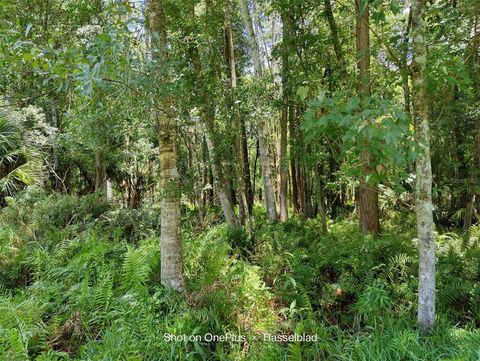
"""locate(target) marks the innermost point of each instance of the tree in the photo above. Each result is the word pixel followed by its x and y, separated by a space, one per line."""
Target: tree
pixel 423 199
pixel 170 238
pixel 239 123
pixel 262 141
pixel 367 194
pixel 284 120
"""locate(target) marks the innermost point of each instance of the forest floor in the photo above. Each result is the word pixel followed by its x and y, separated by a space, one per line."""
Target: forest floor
pixel 79 279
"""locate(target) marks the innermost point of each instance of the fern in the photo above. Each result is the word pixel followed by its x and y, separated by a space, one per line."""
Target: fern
pixel 17 344
pixel 295 352
pixel 135 269
pixel 103 291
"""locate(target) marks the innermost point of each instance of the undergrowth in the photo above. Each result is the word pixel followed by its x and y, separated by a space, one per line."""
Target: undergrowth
pixel 79 279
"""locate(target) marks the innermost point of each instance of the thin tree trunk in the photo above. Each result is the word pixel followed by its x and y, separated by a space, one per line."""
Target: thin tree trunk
pixel 405 85
pixel 467 222
pixel 474 65
pixel 321 198
pixel 262 141
pixel 284 124
pixel 170 237
pixel 244 215
pixel 334 33
pixel 425 225
pixel 100 172
pixel 223 195
pixel 56 166
pixel 367 201
pixel 109 190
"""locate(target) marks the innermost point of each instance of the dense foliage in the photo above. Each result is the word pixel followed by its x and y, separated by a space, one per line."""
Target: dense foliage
pixel 80 280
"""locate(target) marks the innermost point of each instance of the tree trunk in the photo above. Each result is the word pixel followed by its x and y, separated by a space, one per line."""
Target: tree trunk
pixel 336 43
pixel 425 225
pixel 100 172
pixel 321 198
pixel 244 216
pixel 467 221
pixel 170 237
pixel 404 60
pixel 367 201
pixel 223 195
pixel 474 66
pixel 56 167
pixel 262 141
pixel 109 190
pixel 283 196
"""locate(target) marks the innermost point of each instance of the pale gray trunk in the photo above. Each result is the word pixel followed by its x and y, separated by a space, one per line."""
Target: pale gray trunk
pixel 220 188
pixel 109 189
pixel 425 225
pixel 170 236
pixel 55 147
pixel 262 141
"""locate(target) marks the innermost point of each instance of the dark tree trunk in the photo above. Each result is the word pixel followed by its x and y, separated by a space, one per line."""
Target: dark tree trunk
pixel 367 201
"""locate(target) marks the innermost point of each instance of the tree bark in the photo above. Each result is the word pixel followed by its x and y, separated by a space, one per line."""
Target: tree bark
pixel 56 164
pixel 223 196
pixel 474 66
pixel 334 33
pixel 100 172
pixel 170 236
pixel 262 141
pixel 425 225
pixel 405 85
pixel 283 196
pixel 321 198
pixel 367 201
pixel 244 213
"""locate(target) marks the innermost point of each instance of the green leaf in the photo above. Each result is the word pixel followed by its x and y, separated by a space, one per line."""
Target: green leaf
pixel 395 6
pixel 302 92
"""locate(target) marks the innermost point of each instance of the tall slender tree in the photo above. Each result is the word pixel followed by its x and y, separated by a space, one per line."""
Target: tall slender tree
pixel 367 194
pixel 242 189
pixel 425 225
pixel 284 121
pixel 170 237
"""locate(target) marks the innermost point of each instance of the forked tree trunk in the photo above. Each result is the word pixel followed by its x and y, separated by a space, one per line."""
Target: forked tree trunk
pixel 262 141
pixel 367 200
pixel 170 237
pixel 425 225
